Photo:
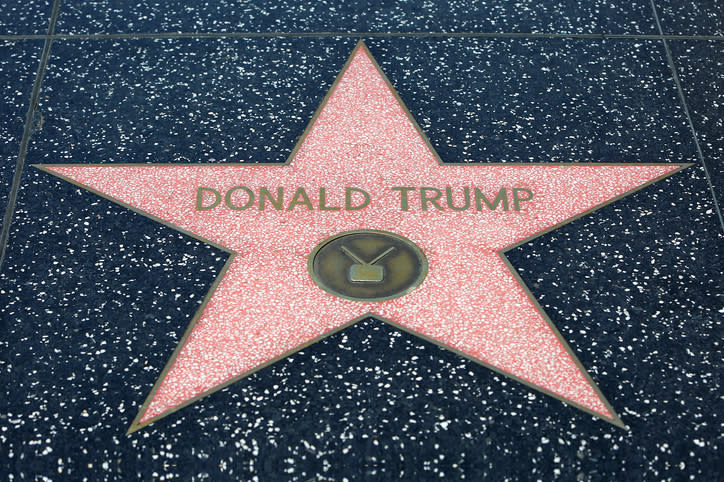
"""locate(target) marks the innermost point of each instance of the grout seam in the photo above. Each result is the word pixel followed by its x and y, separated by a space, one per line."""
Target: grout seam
pixel 27 132
pixel 172 35
pixel 685 106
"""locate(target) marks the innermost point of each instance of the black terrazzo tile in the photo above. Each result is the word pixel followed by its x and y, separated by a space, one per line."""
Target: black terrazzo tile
pixel 563 100
pixel 682 17
pixel 636 289
pixel 18 64
pixel 29 17
pixel 249 99
pixel 562 16
pixel 89 310
pixel 188 100
pixel 93 297
pixel 701 73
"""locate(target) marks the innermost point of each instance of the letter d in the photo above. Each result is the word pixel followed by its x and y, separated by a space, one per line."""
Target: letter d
pixel 200 198
pixel 348 199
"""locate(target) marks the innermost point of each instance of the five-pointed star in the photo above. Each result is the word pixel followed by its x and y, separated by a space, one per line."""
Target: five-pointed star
pixel 264 304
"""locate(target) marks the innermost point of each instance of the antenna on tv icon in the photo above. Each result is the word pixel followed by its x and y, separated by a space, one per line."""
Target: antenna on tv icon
pixel 362 272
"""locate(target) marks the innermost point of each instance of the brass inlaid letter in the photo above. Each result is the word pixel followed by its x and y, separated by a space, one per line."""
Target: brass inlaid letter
pixel 404 205
pixel 348 199
pixel 300 194
pixel 200 198
pixel 278 203
pixel 517 199
pixel 450 203
pixel 249 201
pixel 424 199
pixel 323 201
pixel 501 197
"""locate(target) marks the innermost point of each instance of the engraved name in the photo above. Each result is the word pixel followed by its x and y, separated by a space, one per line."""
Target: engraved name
pixel 405 198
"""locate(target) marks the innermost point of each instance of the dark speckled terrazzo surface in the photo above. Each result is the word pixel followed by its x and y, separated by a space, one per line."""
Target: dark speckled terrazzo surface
pixel 112 16
pixel 94 298
pixel 18 64
pixel 701 68
pixel 24 16
pixel 169 100
pixel 509 100
pixel 698 17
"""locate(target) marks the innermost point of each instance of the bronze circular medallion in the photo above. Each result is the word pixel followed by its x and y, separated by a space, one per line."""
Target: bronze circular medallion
pixel 367 265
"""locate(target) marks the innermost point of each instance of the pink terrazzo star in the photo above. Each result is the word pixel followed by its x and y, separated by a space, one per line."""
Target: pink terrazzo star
pixel 265 305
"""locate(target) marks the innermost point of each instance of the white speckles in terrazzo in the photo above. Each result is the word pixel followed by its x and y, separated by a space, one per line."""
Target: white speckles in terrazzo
pixel 108 16
pixel 15 79
pixel 266 305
